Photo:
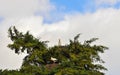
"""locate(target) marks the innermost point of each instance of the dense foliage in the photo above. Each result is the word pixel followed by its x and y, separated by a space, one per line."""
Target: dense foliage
pixel 75 58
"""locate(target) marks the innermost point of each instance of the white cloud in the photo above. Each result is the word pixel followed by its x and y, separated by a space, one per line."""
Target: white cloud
pixel 22 8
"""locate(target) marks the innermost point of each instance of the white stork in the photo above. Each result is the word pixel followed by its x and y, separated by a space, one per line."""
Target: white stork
pixel 53 59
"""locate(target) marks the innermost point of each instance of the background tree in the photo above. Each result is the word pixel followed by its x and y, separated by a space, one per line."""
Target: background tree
pixel 75 58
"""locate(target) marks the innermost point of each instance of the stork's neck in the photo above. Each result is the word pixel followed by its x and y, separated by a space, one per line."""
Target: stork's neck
pixel 59 42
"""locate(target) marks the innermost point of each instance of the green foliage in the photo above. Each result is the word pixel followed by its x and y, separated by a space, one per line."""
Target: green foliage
pixel 75 58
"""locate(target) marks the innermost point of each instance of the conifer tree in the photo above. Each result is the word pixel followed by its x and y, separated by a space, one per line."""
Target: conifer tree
pixel 75 58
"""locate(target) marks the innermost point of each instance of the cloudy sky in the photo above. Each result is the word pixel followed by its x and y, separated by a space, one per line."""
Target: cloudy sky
pixel 54 19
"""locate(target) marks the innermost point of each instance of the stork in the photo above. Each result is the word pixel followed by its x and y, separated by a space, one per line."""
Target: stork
pixel 53 59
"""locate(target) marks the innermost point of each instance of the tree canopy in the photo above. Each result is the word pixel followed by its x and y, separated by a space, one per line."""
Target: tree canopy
pixel 74 58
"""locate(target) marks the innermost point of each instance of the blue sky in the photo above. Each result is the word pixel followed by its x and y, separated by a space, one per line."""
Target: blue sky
pixel 81 5
pixel 73 5
pixel 117 5
pixel 65 6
